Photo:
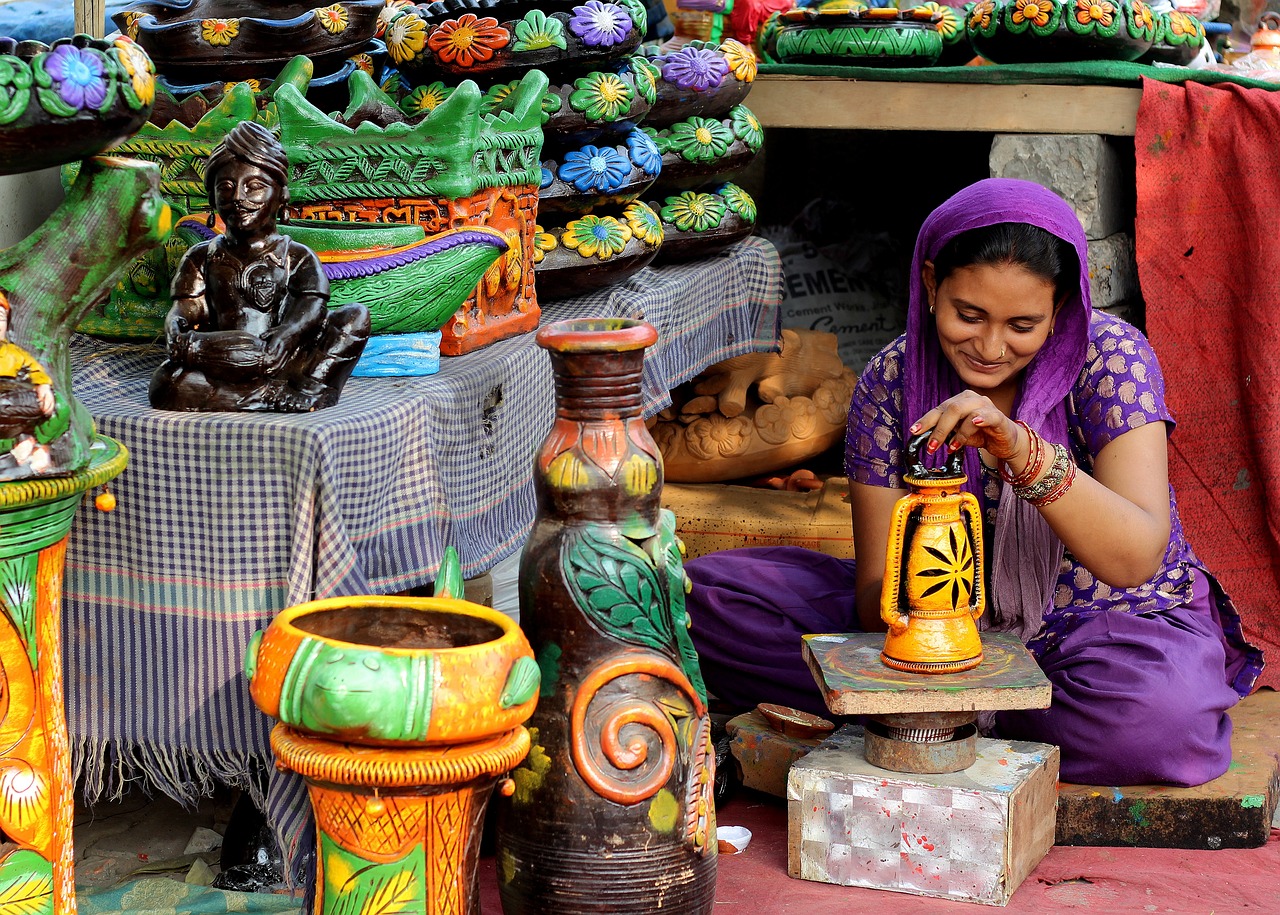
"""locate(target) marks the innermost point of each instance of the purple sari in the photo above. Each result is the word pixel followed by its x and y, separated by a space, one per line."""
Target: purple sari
pixel 1142 677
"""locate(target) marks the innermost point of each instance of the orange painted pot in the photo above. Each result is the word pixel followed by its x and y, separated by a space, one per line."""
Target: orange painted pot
pixel 394 671
pixel 934 589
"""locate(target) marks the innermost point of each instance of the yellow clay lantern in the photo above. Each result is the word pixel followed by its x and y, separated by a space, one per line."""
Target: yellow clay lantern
pixel 934 590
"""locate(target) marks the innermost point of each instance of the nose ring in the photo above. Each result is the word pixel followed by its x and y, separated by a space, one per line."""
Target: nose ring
pixel 1002 349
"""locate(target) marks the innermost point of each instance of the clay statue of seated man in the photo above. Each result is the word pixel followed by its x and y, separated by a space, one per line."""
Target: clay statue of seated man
pixel 249 328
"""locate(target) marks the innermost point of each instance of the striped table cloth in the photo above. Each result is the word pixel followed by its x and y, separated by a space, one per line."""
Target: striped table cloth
pixel 224 519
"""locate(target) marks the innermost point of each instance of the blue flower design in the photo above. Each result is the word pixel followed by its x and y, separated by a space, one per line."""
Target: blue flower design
pixel 547 178
pixel 78 75
pixel 644 152
pixel 600 24
pixel 595 169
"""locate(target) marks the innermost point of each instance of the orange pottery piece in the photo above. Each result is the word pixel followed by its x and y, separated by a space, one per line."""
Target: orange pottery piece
pixel 934 589
pixel 402 714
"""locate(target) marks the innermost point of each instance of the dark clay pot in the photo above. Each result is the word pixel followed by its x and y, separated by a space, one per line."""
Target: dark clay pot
pixel 614 799
pixel 1056 31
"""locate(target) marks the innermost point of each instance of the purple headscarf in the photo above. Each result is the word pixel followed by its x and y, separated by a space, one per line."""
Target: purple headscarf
pixel 1026 553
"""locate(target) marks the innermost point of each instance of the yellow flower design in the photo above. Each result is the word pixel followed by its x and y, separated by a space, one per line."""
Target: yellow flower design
pixel 1099 11
pixel 131 24
pixel 740 58
pixel 1142 15
pixel 980 15
pixel 1182 24
pixel 333 18
pixel 219 32
pixel 1037 12
pixel 506 270
pixel 254 85
pixel 140 69
pixel 406 37
pixel 543 242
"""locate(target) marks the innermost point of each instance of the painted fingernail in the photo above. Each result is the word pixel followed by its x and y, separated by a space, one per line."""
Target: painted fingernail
pixel 933 445
pixel 954 447
pixel 977 420
pixel 915 427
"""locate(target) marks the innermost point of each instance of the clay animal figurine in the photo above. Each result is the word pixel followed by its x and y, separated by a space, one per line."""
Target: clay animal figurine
pixel 249 329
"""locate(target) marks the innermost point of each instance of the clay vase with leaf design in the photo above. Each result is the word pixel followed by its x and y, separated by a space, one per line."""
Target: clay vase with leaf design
pixel 615 797
pixel 933 589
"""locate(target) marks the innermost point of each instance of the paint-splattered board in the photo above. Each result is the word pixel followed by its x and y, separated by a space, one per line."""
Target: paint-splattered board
pixel 854 681
pixel 972 835
pixel 1233 811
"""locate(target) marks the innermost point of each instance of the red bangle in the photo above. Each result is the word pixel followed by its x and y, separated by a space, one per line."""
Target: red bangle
pixel 1035 460
pixel 1058 491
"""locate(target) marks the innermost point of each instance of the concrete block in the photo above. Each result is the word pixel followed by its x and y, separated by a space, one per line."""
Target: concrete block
pixel 1234 810
pixel 1113 271
pixel 971 836
pixel 1085 169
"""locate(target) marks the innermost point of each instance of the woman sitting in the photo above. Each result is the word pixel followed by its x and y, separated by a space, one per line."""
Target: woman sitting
pixel 1062 417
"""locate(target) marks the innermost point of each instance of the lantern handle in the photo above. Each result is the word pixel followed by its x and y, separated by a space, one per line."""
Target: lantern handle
pixel 954 466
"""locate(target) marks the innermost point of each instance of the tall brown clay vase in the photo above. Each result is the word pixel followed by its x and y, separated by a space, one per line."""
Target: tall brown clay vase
pixel 612 811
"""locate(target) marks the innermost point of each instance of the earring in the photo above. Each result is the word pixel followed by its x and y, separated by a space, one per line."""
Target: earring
pixel 208 221
pixel 1050 330
pixel 931 311
pixel 283 215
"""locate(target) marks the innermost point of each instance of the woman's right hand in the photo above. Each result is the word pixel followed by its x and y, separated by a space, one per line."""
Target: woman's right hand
pixel 970 418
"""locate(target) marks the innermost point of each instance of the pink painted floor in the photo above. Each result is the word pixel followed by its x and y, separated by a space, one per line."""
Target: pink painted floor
pixel 1069 879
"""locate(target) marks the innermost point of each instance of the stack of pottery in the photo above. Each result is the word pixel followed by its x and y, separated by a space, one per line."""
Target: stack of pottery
pixel 1032 31
pixel 199 46
pixel 402 714
pixel 73 99
pixel 596 162
pixel 703 132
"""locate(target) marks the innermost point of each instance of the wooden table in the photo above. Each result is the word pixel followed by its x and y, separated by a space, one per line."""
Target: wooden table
pixel 779 100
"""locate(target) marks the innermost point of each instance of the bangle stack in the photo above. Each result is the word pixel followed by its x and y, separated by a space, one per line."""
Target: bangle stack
pixel 1029 485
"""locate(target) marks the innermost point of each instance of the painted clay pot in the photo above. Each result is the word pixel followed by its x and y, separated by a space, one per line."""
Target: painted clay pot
pixel 69 100
pixel 599 104
pixel 502 39
pixel 700 79
pixel 1048 31
pixel 1179 38
pixel 402 714
pixel 579 180
pixel 393 671
pixel 615 797
pixel 701 222
pixel 595 250
pixel 934 589
pixel 884 37
pixel 699 149
pixel 204 40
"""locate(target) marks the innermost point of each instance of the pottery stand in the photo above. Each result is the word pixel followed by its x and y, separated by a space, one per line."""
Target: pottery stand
pixel 401 713
pixel 939 812
pixel 37 799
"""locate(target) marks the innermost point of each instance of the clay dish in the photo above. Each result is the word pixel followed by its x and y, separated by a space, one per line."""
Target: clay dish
pixel 792 722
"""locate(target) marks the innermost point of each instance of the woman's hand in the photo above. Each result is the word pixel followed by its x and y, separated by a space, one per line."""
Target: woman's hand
pixel 972 419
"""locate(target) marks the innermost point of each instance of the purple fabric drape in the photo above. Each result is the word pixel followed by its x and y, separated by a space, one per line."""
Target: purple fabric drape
pixel 1026 554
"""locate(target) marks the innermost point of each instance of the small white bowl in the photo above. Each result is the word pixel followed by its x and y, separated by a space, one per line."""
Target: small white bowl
pixel 732 840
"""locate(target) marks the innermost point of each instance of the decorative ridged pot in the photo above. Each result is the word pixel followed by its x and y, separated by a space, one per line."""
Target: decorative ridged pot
pixel 1049 31
pixel 70 100
pixel 402 714
pixel 697 223
pixel 595 250
pixel 934 588
pixel 883 37
pixel 614 801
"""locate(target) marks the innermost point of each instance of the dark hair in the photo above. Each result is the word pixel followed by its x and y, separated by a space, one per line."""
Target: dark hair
pixel 1043 253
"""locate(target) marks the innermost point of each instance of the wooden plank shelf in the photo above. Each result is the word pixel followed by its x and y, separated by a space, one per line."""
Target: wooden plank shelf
pixel 831 102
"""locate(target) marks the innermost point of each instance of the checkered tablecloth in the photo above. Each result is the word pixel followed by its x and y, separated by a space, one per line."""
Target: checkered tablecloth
pixel 224 518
